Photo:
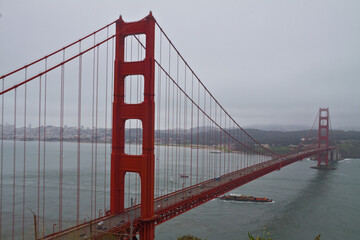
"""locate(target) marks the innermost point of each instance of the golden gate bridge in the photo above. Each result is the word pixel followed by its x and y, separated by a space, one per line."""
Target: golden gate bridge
pixel 128 88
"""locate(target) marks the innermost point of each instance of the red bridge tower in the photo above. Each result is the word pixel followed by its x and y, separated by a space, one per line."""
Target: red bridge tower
pixel 323 137
pixel 121 163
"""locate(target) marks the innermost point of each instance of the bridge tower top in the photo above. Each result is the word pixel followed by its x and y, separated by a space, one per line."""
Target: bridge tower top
pixel 323 136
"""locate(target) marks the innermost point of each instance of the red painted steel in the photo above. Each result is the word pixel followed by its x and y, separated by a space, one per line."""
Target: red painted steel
pixel 323 136
pixel 121 163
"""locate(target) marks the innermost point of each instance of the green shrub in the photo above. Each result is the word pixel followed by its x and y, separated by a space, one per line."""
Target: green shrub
pixel 188 237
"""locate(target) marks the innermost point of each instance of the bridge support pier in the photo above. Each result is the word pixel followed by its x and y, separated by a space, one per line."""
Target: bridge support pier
pixel 334 155
pixel 148 231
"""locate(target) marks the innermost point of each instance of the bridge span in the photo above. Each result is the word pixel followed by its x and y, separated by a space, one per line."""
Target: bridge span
pixel 169 206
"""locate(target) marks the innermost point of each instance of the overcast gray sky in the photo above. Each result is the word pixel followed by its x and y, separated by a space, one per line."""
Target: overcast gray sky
pixel 267 62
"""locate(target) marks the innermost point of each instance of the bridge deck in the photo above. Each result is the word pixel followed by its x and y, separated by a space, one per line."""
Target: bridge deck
pixel 176 203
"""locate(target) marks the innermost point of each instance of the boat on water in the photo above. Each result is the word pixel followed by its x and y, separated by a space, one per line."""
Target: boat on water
pixel 215 152
pixel 184 176
pixel 244 198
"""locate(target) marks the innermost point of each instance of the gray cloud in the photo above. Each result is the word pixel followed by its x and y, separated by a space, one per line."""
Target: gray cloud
pixel 267 62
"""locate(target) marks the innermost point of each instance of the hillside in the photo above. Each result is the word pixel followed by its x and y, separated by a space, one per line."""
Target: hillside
pixel 348 141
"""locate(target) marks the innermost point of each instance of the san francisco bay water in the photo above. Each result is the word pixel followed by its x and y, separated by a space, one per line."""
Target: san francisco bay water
pixel 307 202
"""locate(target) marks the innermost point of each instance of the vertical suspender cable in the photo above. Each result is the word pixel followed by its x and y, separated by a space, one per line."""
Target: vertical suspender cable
pixel 216 140
pixel 2 157
pixel 248 156
pixel 238 155
pixel 220 139
pixel 92 134
pixel 191 129
pixel 14 168
pixel 61 141
pixel 229 149
pixel 215 143
pixel 185 131
pixel 172 133
pixel 228 154
pixel 78 140
pixel 106 113
pixel 231 130
pixel 24 171
pixel 39 154
pixel 208 142
pixel 179 139
pixel 197 136
pixel 224 147
pixel 204 138
pixel 241 160
pixel 96 126
pixel 235 154
pixel 44 149
pixel 177 121
pixel 211 136
pixel 210 139
pixel 168 125
pixel 243 149
pixel 166 133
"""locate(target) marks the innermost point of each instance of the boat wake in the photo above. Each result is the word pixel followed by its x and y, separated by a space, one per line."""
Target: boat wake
pixel 348 160
pixel 243 202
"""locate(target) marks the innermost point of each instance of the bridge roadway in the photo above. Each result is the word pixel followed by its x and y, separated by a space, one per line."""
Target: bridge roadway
pixel 176 203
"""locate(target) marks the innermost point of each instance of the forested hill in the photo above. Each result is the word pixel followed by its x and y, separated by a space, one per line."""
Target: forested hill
pixel 294 137
pixel 348 141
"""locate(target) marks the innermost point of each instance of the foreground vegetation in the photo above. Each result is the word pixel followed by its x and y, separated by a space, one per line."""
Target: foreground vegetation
pixel 189 237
